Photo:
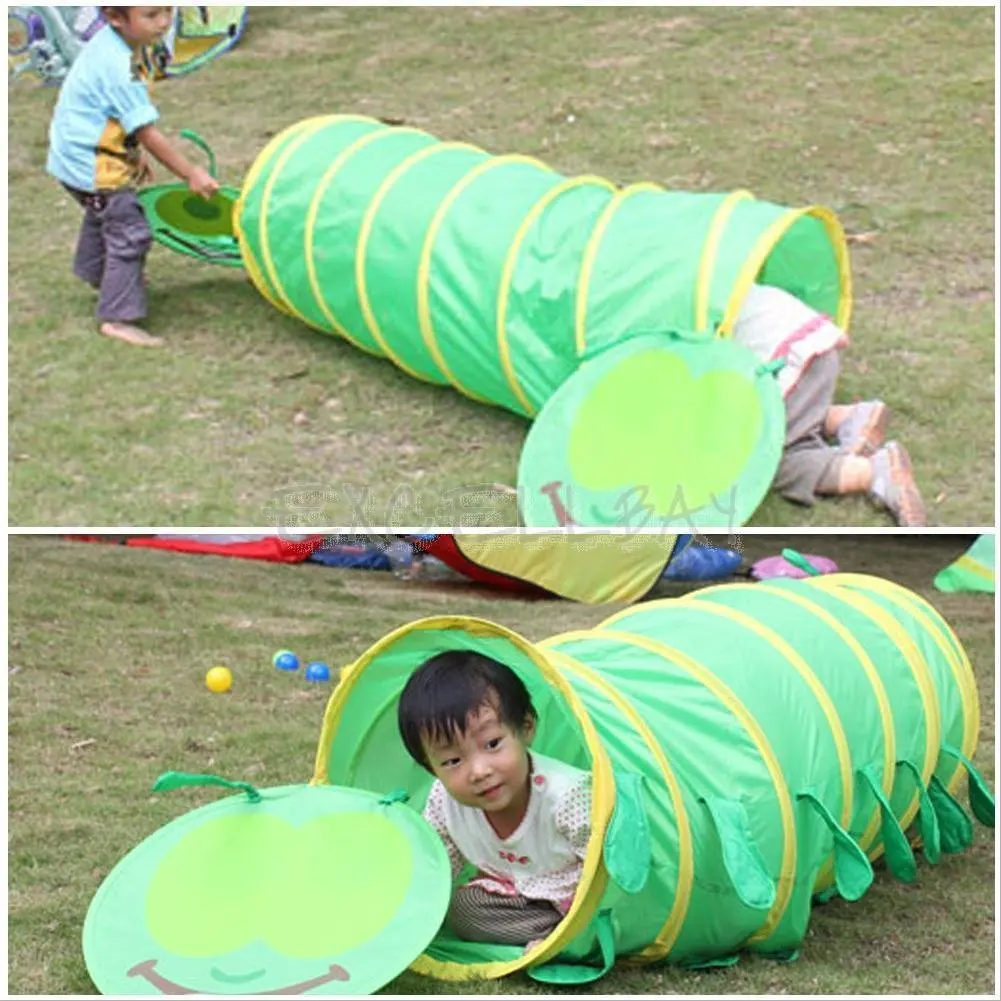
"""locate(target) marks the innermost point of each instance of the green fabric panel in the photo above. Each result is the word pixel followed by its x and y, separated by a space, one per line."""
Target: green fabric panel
pixel 251 196
pixel 805 263
pixel 393 254
pixel 744 227
pixel 646 911
pixel 899 857
pixel 912 617
pixel 954 822
pixel 773 693
pixel 342 210
pixel 542 296
pixel 661 235
pixel 981 799
pixel 627 841
pixel 852 871
pixel 567 973
pixel 927 821
pixel 292 195
pixel 467 261
pixel 856 611
pixel 685 715
pixel 840 671
pixel 741 857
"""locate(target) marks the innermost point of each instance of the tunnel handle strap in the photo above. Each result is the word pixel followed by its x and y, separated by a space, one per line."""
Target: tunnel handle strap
pixel 899 856
pixel 628 850
pixel 742 859
pixel 577 973
pixel 196 140
pixel 953 820
pixel 931 834
pixel 981 800
pixel 852 871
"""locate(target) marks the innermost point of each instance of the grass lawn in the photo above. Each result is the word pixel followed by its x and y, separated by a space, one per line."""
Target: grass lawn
pixel 886 115
pixel 108 649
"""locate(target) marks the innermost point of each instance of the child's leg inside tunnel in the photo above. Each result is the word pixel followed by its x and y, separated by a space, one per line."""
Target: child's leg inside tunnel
pixel 810 466
pixel 479 916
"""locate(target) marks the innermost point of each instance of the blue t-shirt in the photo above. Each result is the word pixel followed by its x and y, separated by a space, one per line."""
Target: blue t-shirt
pixel 103 101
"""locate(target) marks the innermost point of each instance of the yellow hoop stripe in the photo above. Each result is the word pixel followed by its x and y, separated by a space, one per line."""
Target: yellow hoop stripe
pixel 311 217
pixel 707 263
pixel 424 271
pixel 729 698
pixel 665 938
pixel 318 124
pixel 594 878
pixel 368 222
pixel 591 255
pixel 507 276
pixel 765 244
pixel 250 263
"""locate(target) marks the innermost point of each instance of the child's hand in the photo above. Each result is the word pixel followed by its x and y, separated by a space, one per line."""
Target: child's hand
pixel 201 182
pixel 144 168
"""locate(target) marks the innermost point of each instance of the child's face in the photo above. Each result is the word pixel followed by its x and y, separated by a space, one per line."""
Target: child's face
pixel 485 767
pixel 142 26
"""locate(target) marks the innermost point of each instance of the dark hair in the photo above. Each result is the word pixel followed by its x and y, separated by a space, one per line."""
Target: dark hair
pixel 440 695
pixel 110 12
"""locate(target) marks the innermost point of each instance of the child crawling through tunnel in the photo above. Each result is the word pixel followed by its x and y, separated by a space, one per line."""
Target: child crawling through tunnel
pixel 520 819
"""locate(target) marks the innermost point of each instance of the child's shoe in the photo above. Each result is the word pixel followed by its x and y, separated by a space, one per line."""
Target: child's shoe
pixel 893 486
pixel 863 431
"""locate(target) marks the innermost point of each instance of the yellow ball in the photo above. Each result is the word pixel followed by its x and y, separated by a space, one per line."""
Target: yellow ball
pixel 219 679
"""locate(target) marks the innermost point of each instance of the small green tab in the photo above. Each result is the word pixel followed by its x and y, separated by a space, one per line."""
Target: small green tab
pixel 396 796
pixel 771 367
pixel 931 836
pixel 628 851
pixel 798 560
pixel 899 856
pixel 852 871
pixel 169 781
pixel 953 821
pixel 981 800
pixel 742 860
pixel 574 973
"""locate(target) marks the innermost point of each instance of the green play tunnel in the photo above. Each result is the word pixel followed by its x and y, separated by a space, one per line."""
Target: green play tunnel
pixel 494 273
pixel 752 747
pixel 588 309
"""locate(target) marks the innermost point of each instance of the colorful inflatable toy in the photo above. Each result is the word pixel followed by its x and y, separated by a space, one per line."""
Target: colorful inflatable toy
pixel 716 822
pixel 601 315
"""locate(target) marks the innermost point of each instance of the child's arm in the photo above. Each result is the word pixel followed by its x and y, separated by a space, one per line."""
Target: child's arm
pixel 573 817
pixel 199 180
pixel 434 814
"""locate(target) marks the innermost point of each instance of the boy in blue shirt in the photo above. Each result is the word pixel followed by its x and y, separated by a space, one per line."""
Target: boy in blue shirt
pixel 102 135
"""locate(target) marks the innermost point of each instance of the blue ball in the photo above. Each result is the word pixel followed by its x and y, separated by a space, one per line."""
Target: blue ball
pixel 318 671
pixel 285 660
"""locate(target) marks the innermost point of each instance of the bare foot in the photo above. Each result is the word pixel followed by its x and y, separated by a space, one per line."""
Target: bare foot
pixel 130 334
